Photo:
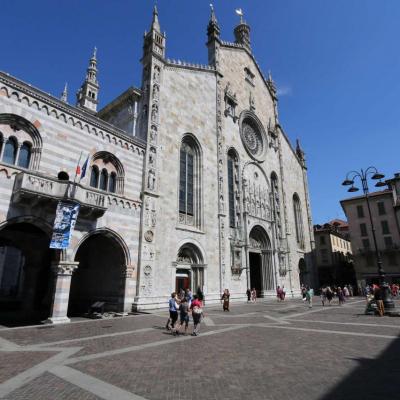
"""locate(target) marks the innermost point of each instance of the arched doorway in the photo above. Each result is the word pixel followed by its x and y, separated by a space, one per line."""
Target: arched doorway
pixel 189 268
pixel 302 271
pixel 99 276
pixel 260 261
pixel 26 282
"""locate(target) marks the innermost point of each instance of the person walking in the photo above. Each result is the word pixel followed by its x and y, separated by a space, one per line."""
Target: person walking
pixel 309 297
pixel 341 296
pixel 254 295
pixel 323 296
pixel 378 294
pixel 184 316
pixel 329 294
pixel 225 299
pixel 197 313
pixel 248 294
pixel 173 307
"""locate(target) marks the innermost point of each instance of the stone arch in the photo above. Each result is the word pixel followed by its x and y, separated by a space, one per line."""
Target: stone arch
pixel 23 128
pixel 190 266
pixel 104 260
pixel 260 261
pixel 102 158
pixel 26 275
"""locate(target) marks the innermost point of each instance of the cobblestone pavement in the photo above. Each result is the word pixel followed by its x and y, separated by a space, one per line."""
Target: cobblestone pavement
pixel 266 350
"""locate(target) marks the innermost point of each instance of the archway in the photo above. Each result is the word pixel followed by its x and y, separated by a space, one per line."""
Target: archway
pixel 26 282
pixel 99 276
pixel 260 261
pixel 302 271
pixel 190 268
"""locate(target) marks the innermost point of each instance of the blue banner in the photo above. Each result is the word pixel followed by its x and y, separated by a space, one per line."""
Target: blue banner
pixel 64 223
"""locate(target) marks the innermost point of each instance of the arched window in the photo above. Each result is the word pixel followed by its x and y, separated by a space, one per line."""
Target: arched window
pixel 10 151
pixel 298 220
pixel 103 180
pixel 94 177
pixel 112 182
pixel 189 182
pixel 275 203
pixel 232 166
pixel 24 155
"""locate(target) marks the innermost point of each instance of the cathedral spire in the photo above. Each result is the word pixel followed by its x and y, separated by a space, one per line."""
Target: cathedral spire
pixel 88 93
pixel 242 31
pixel 64 95
pixel 155 25
pixel 213 29
pixel 154 40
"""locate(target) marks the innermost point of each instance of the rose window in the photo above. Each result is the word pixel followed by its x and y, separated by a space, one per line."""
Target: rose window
pixel 252 138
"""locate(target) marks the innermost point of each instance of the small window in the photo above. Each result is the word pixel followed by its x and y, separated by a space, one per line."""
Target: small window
pixel 392 257
pixel 388 242
pixel 63 176
pixel 366 244
pixel 363 230
pixel 370 260
pixel 24 155
pixel 381 208
pixel 112 182
pixel 94 177
pixel 322 240
pixel 103 180
pixel 10 151
pixel 385 227
pixel 360 211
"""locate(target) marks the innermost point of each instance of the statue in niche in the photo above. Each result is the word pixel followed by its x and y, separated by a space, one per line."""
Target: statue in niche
pixel 156 92
pixel 156 73
pixel 152 156
pixel 153 134
pixel 154 113
pixel 151 181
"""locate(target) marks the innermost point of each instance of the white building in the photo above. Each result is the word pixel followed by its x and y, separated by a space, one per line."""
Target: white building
pixel 192 182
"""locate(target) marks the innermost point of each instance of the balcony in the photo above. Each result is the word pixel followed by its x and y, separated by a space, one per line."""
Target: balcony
pixel 37 189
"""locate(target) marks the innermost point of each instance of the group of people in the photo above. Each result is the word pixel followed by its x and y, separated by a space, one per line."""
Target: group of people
pixel 181 305
pixel 329 293
pixel 251 295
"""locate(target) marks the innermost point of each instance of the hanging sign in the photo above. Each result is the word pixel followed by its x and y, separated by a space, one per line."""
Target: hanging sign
pixel 64 223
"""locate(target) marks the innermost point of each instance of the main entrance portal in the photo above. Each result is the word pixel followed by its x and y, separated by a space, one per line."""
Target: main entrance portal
pixel 260 261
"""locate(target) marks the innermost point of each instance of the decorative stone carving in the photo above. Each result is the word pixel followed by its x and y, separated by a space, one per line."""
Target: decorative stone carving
pixel 153 134
pixel 152 156
pixel 252 102
pixel 148 252
pixel 151 180
pixel 156 73
pixel 253 136
pixel 149 236
pixel 230 103
pixel 154 113
pixel 156 92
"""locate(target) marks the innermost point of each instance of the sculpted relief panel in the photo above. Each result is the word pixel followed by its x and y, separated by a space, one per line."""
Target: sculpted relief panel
pixel 256 192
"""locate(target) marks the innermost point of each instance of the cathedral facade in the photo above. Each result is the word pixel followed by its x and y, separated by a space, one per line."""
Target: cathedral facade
pixel 191 182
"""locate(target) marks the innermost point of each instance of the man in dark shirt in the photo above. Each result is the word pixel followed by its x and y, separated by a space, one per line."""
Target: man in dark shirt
pixel 378 294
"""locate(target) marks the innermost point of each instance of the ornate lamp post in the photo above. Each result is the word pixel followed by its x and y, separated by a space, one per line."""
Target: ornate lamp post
pixel 373 173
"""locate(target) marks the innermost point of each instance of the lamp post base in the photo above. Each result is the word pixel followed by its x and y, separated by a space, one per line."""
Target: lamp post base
pixel 387 297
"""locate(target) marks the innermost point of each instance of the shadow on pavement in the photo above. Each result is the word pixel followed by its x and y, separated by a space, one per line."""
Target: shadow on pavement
pixel 372 379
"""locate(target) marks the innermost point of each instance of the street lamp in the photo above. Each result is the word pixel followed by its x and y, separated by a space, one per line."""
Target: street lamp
pixel 349 181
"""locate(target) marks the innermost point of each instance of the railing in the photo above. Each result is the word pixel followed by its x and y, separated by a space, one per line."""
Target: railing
pixel 29 185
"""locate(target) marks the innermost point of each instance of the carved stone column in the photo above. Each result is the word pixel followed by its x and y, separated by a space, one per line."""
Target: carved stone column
pixel 62 282
pixel 128 286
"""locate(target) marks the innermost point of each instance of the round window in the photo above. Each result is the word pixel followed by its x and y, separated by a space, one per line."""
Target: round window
pixel 252 137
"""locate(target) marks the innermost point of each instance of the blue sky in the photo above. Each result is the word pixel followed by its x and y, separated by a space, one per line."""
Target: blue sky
pixel 336 64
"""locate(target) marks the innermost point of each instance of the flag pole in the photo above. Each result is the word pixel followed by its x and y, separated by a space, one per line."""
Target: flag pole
pixel 76 169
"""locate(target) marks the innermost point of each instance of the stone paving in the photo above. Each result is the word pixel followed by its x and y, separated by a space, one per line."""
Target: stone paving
pixel 265 351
